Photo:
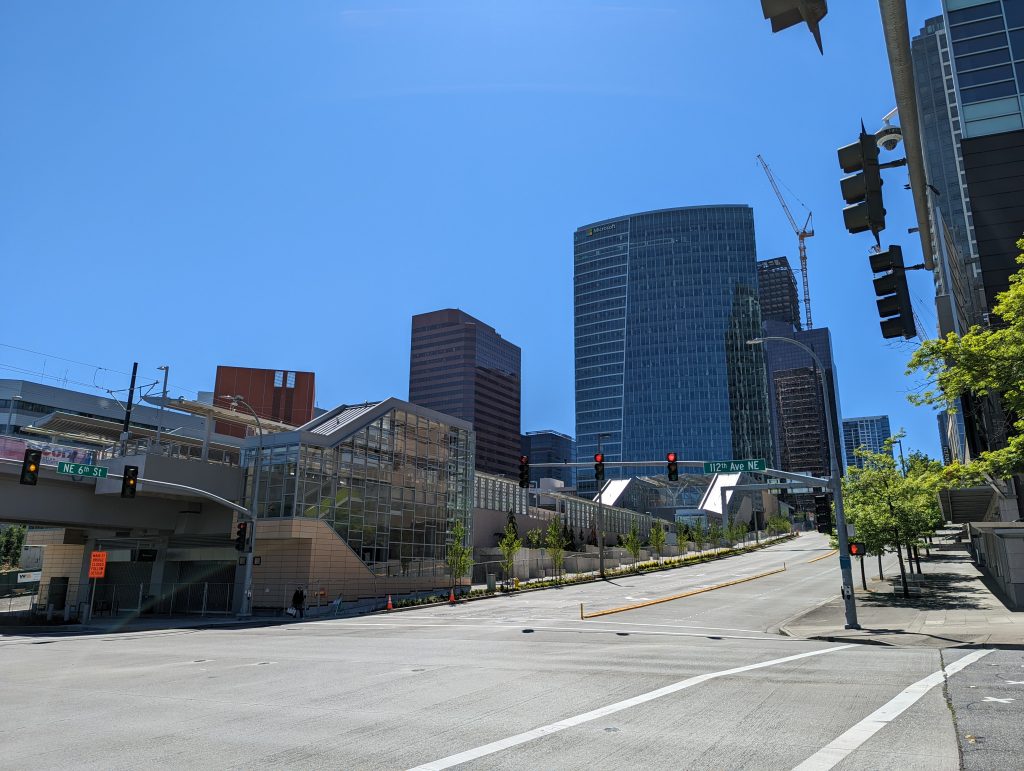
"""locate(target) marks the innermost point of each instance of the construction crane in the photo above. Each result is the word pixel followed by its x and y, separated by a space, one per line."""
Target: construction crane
pixel 802 234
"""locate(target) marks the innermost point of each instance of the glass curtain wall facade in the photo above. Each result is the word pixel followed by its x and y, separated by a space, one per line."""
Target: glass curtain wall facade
pixel 868 433
pixel 664 304
pixel 550 447
pixel 392 488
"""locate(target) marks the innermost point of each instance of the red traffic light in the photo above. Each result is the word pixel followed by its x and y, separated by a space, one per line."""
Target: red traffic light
pixel 671 457
pixel 598 457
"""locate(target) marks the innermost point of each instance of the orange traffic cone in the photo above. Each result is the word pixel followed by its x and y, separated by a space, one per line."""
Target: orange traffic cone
pixel 451 596
pixel 390 606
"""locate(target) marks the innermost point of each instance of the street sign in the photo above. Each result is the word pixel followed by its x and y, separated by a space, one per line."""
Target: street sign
pixel 81 470
pixel 733 466
pixel 98 564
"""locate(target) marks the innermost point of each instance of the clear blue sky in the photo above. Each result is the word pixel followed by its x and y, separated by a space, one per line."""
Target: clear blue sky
pixel 282 184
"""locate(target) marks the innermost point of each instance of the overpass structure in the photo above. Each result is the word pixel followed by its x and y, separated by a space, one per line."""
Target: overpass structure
pixel 165 543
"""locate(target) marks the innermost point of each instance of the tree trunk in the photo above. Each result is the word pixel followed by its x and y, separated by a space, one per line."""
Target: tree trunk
pixel 880 576
pixel 903 572
pixel 917 558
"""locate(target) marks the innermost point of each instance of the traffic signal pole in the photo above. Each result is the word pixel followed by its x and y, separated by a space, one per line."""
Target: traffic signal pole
pixel 835 483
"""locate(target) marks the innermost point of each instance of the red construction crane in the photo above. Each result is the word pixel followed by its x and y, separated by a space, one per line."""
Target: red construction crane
pixel 802 234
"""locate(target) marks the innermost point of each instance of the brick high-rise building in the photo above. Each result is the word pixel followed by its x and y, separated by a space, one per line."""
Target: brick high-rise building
pixel 462 367
pixel 284 395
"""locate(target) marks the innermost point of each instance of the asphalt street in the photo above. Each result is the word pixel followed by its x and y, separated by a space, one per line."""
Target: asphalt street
pixel 702 682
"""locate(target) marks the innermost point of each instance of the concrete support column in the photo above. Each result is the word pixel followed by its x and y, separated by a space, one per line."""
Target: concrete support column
pixel 156 576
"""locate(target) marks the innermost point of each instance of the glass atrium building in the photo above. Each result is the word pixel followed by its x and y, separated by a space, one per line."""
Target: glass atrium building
pixel 665 302
pixel 375 488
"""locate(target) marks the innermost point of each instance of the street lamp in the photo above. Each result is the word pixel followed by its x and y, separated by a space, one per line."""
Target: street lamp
pixel 247 581
pixel 10 413
pixel 160 416
pixel 600 512
pixel 835 482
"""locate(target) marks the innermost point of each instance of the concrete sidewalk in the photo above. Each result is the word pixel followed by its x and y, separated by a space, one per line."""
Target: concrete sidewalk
pixel 951 605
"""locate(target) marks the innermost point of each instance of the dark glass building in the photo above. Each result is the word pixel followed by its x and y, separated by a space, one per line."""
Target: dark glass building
pixel 462 367
pixel 799 431
pixel 777 291
pixel 665 302
pixel 550 447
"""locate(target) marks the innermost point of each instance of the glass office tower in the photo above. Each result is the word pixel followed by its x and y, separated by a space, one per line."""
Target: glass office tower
pixel 664 304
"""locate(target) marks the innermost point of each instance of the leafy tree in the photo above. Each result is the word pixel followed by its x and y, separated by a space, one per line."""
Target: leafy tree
pixel 554 542
pixel 460 556
pixel 633 542
pixel 533 538
pixel 12 538
pixel 892 510
pixel 657 537
pixel 567 538
pixel 511 522
pixel 980 363
pixel 736 532
pixel 779 525
pixel 714 533
pixel 510 544
pixel 699 534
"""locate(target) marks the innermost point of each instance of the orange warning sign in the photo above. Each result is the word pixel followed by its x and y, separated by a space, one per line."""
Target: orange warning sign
pixel 98 564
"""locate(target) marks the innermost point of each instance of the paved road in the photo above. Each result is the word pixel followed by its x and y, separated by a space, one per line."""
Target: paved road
pixel 515 682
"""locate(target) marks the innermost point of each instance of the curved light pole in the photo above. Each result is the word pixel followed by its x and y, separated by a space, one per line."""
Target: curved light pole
pixel 835 482
pixel 246 609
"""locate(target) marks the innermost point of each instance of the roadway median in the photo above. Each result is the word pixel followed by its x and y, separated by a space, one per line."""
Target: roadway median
pixel 681 595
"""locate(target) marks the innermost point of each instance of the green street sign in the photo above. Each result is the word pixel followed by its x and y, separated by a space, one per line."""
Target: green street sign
pixel 81 470
pixel 734 466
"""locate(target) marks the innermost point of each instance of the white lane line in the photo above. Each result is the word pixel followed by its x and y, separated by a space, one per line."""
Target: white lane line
pixel 586 717
pixel 576 629
pixel 834 752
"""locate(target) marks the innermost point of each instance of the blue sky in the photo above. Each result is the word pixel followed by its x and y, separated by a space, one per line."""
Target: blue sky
pixel 283 185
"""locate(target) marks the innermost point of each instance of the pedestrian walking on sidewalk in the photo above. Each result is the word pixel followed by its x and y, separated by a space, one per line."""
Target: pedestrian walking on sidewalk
pixel 299 602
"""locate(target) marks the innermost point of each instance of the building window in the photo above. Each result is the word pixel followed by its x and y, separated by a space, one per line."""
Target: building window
pixel 290 383
pixel 278 379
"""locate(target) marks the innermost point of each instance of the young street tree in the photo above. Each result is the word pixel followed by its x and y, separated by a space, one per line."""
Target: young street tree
pixel 657 537
pixel 510 544
pixel 893 511
pixel 554 542
pixel 633 542
pixel 460 556
pixel 699 535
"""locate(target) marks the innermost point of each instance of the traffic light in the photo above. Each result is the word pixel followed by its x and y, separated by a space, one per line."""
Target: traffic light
pixel 894 308
pixel 599 467
pixel 129 481
pixel 241 535
pixel 863 188
pixel 30 467
pixel 524 471
pixel 786 13
pixel 823 514
pixel 857 549
pixel 673 467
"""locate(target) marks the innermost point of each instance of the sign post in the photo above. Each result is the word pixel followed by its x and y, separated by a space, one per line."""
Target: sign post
pixel 97 569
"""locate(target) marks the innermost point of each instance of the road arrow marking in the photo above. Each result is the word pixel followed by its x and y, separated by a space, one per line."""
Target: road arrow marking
pixel 1001 701
pixel 1015 682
